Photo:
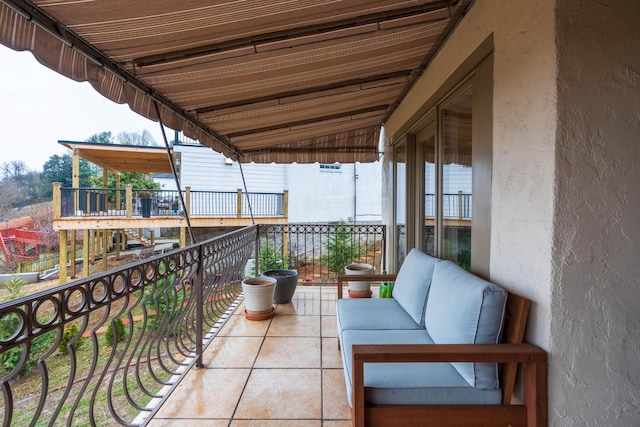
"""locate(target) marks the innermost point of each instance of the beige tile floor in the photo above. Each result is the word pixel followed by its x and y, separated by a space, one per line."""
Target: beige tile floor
pixel 282 372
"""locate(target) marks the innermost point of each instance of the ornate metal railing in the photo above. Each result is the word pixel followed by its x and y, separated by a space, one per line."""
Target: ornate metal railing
pixel 108 348
pixel 320 251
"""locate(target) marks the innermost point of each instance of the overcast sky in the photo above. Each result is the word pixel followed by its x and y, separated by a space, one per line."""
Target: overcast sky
pixel 38 107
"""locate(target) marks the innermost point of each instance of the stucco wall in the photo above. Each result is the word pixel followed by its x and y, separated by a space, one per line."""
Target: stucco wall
pixel 522 38
pixel 596 279
pixel 566 187
pixel 331 196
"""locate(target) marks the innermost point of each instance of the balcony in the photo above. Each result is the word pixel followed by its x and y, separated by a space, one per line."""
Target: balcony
pixel 283 371
pixel 163 341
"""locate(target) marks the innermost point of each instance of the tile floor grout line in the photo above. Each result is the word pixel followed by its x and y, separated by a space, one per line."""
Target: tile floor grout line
pixel 251 369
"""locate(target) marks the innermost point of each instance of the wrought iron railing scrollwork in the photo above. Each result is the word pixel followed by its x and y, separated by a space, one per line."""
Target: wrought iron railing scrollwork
pixel 137 330
pixel 320 251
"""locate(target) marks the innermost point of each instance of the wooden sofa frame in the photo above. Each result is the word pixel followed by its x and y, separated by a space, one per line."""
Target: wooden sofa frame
pixel 510 353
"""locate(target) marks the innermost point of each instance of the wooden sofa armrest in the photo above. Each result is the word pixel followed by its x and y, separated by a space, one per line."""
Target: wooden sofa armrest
pixel 532 357
pixel 363 278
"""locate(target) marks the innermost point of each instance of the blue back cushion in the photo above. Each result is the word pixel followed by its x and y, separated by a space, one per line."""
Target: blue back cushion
pixel 412 284
pixel 465 309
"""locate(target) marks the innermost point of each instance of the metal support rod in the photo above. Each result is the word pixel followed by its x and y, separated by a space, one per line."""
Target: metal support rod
pixel 175 174
pixel 199 290
pixel 246 192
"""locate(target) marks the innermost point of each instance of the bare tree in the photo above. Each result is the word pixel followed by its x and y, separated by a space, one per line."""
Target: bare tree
pixel 136 138
pixel 14 170
pixel 10 196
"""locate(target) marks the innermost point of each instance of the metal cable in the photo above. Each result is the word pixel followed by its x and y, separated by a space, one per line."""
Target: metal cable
pixel 175 174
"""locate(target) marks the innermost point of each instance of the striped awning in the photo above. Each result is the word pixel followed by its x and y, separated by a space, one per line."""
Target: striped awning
pixel 265 81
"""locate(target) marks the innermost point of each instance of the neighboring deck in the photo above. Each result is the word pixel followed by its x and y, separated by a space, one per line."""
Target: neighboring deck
pixel 122 208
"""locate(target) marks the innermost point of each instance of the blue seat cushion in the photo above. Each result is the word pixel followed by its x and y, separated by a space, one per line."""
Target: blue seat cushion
pixel 374 313
pixel 412 283
pixel 410 383
pixel 465 309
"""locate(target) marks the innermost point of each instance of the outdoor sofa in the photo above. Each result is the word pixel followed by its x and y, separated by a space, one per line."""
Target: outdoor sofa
pixel 444 351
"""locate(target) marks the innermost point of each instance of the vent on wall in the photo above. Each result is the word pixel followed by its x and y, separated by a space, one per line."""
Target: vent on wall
pixel 335 167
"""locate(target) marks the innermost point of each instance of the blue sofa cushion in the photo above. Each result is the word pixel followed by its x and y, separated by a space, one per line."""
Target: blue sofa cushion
pixel 465 309
pixel 410 383
pixel 373 313
pixel 412 283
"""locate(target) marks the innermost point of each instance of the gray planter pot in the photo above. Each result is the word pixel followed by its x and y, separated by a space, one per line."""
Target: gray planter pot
pixel 145 205
pixel 286 283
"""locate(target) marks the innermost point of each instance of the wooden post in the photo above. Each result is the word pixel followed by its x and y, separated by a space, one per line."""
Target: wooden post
pixel 89 238
pixel 63 257
pixel 153 236
pixel 94 246
pixel 183 237
pixel 183 230
pixel 118 238
pixel 75 169
pixel 105 250
pixel 105 182
pixel 128 200
pixel 118 195
pixel 86 238
pixel 73 254
pixel 239 203
pixel 57 201
pixel 285 204
pixel 187 199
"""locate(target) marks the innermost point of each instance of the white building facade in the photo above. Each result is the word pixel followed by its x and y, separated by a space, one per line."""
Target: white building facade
pixel 317 192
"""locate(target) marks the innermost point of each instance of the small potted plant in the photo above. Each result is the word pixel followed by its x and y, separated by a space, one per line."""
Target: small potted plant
pixel 145 203
pixel 359 288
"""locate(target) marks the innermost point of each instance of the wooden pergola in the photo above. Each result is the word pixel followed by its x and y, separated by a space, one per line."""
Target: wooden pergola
pixel 114 158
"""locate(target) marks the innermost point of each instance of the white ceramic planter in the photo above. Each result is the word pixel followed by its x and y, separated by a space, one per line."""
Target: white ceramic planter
pixel 359 288
pixel 258 297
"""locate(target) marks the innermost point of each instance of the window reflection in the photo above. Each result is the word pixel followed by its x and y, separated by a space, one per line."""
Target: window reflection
pixel 456 204
pixel 400 202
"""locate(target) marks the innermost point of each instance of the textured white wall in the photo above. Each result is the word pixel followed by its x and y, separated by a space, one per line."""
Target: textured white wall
pixel 314 196
pixel 206 170
pixel 596 280
pixel 566 187
pixel 524 124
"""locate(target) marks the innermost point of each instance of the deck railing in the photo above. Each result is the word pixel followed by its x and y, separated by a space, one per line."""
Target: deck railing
pixel 108 349
pixel 129 202
pixel 454 205
pixel 321 251
pixel 104 349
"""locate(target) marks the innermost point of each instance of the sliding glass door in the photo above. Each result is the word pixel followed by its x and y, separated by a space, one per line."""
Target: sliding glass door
pixel 457 179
